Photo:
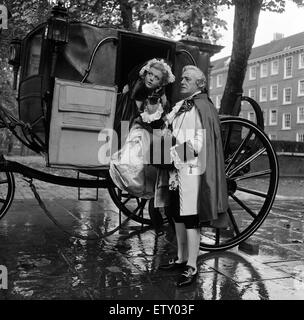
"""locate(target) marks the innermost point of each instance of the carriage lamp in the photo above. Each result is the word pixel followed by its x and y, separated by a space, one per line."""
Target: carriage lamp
pixel 14 52
pixel 14 58
pixel 58 25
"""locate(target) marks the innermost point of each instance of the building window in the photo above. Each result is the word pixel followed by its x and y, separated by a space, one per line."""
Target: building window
pixel 251 116
pixel 264 70
pixel 265 117
pixel 219 80
pixel 251 93
pixel 288 67
pixel 300 115
pixel 273 117
pixel 274 67
pixel 218 102
pixel 301 60
pixel 287 95
pixel 300 136
pixel 252 73
pixel 263 94
pixel 286 122
pixel 210 83
pixel 272 136
pixel 301 87
pixel 274 91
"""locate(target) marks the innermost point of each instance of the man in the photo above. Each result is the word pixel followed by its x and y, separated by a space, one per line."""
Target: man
pixel 200 198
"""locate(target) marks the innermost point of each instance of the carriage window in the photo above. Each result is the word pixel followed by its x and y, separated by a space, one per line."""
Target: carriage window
pixel 34 54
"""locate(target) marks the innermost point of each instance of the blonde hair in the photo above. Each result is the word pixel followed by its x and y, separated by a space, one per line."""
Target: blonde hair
pixel 160 64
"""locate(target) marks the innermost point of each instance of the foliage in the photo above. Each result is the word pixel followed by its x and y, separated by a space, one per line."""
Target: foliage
pixel 196 18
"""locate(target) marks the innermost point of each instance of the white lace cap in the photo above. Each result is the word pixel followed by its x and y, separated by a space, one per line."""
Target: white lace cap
pixel 146 67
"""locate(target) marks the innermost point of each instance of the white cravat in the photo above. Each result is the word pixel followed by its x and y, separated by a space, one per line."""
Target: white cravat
pixel 175 109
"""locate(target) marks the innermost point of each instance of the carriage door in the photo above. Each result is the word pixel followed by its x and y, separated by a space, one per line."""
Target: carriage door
pixel 81 113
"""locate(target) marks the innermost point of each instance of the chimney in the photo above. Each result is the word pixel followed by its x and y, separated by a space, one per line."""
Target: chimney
pixel 278 36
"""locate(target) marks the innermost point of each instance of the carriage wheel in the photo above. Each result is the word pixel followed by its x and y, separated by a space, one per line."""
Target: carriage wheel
pixel 252 174
pixel 142 210
pixel 131 206
pixel 7 191
pixel 259 117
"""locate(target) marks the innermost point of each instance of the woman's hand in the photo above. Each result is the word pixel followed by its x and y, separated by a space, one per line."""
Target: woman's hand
pixel 152 108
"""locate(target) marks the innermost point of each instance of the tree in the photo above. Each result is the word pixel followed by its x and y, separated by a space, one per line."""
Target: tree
pixel 245 24
pixel 196 17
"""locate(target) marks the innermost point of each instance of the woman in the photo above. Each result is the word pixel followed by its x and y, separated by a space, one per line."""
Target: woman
pixel 144 105
pixel 143 95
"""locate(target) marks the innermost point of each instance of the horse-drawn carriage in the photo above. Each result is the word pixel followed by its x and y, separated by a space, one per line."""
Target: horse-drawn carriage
pixel 69 76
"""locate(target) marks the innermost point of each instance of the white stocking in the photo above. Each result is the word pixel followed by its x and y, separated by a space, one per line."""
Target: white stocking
pixel 181 238
pixel 193 242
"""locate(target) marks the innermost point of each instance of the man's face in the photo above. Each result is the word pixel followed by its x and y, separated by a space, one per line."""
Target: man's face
pixel 189 83
pixel 153 78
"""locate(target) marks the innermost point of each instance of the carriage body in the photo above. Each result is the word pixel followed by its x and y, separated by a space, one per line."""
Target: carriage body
pixel 67 92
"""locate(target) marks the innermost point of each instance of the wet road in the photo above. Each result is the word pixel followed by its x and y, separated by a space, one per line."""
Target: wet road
pixel 44 263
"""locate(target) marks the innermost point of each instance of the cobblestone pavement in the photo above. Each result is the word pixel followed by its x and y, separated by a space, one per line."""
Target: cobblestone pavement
pixel 45 263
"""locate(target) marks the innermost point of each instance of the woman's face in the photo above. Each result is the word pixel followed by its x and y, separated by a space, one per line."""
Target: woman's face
pixel 153 78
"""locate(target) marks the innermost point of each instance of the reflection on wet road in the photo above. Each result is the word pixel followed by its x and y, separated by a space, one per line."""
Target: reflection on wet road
pixel 43 263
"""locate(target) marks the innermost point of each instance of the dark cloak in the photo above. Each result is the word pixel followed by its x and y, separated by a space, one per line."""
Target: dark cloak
pixel 213 197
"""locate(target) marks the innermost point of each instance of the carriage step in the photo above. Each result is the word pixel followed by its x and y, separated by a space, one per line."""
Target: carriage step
pixel 87 197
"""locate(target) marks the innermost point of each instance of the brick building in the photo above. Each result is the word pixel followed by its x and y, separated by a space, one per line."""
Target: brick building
pixel 275 79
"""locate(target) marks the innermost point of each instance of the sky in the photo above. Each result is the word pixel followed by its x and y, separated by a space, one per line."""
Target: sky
pixel 289 22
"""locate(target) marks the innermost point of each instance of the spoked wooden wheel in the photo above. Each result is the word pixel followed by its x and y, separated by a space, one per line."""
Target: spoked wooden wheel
pixel 140 210
pixel 7 191
pixel 252 174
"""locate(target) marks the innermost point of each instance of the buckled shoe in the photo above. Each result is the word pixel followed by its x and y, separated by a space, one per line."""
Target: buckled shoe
pixel 187 277
pixel 172 265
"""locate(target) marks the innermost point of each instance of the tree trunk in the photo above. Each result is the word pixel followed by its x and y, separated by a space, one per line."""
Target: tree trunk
pixel 245 23
pixel 126 15
pixel 140 26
